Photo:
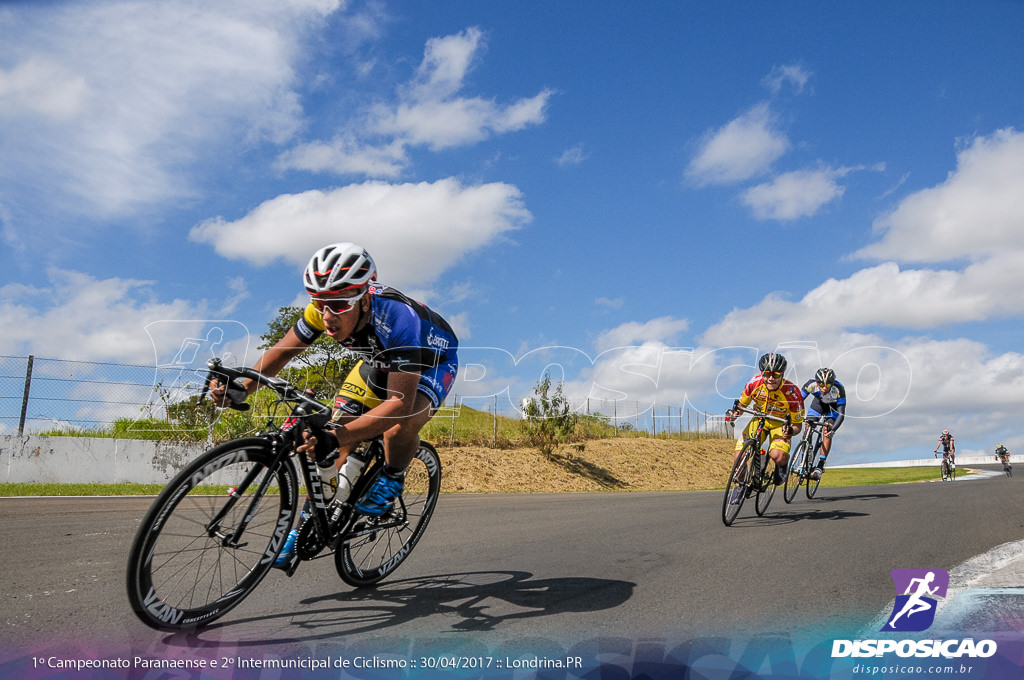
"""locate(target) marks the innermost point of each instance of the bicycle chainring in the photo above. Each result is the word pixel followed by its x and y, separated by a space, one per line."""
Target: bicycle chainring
pixel 309 544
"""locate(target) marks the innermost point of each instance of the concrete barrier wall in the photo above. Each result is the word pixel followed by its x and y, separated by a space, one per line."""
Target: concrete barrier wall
pixel 95 460
pixel 961 461
pixel 92 460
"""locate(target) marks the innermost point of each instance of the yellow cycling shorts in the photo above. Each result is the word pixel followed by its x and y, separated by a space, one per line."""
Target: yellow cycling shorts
pixel 777 434
pixel 360 392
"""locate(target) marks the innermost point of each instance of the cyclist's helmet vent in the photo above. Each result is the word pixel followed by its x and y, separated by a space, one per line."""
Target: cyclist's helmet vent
pixel 339 267
pixel 772 362
pixel 825 376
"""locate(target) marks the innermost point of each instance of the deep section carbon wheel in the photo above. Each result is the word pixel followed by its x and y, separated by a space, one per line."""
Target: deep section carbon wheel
pixel 210 537
pixel 378 545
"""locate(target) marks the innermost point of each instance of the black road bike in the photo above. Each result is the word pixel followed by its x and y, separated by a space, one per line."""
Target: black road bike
pixel 1007 468
pixel 213 533
pixel 948 469
pixel 753 472
pixel 803 461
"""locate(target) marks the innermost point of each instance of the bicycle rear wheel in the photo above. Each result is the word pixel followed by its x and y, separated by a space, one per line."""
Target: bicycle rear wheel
pixel 186 567
pixel 739 482
pixel 812 484
pixel 376 546
pixel 796 471
pixel 767 491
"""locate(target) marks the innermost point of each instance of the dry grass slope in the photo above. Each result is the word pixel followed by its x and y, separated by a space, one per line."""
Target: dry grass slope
pixel 616 464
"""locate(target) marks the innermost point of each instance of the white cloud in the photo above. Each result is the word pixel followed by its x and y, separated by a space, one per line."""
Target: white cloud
pixel 415 231
pixel 794 194
pixel 661 330
pixel 794 74
pixel 744 148
pixel 572 156
pixel 346 155
pixel 41 86
pixel 428 111
pixel 884 296
pixel 81 318
pixel 610 303
pixel 977 212
pixel 104 103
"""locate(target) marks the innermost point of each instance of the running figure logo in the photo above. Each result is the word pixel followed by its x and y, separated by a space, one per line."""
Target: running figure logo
pixel 914 610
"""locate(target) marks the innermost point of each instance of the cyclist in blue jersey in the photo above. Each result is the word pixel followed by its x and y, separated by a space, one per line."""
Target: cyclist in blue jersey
pixel 828 404
pixel 409 362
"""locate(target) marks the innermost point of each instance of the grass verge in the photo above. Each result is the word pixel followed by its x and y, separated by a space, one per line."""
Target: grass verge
pixel 616 464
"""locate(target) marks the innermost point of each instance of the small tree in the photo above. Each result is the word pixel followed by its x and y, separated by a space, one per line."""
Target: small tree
pixel 549 419
pixel 326 362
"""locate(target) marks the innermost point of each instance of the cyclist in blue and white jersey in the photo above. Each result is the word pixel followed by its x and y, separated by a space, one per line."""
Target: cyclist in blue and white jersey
pixel 828 404
pixel 409 363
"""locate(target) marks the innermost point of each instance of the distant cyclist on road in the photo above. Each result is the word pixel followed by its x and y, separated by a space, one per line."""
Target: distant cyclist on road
pixel 771 393
pixel 409 363
pixel 948 446
pixel 1002 455
pixel 829 405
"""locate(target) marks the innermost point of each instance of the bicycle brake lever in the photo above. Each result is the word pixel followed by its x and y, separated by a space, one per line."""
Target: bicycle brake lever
pixel 237 395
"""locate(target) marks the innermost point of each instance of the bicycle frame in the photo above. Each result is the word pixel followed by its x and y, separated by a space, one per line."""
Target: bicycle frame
pixel 813 435
pixel 760 431
pixel 747 476
pixel 198 551
pixel 284 441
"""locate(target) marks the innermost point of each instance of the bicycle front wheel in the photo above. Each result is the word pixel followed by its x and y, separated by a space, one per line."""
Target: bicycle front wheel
pixel 739 482
pixel 767 491
pixel 378 545
pixel 209 538
pixel 796 471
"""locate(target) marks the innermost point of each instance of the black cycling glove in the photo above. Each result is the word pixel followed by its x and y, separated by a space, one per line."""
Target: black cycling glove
pixel 326 450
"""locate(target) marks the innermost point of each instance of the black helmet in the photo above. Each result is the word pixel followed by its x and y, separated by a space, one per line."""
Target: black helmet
pixel 776 363
pixel 825 376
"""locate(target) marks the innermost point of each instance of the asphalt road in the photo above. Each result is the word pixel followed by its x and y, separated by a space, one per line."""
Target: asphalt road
pixel 495 572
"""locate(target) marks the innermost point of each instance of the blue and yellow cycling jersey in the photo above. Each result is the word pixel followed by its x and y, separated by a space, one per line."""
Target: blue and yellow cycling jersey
pixel 402 334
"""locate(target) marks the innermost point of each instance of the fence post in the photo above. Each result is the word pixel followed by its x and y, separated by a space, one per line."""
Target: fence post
pixel 455 407
pixel 494 443
pixel 24 398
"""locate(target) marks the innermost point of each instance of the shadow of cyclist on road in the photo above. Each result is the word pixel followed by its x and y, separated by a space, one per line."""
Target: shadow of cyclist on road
pixel 474 601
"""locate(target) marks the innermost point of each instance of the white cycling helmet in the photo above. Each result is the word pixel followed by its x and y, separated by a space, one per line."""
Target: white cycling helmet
pixel 339 267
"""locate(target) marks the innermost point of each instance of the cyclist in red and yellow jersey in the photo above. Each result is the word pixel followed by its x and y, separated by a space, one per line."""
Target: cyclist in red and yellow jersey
pixel 770 393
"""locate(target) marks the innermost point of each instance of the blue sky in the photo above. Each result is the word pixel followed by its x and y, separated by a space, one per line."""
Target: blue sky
pixel 644 195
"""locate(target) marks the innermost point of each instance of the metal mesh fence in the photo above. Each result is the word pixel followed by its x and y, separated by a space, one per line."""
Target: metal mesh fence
pixel 39 395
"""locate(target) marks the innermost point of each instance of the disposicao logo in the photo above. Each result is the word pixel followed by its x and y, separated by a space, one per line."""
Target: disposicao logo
pixel 915 606
pixel 914 611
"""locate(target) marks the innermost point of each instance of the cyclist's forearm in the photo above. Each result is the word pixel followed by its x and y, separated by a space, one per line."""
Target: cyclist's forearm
pixel 376 421
pixel 277 357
